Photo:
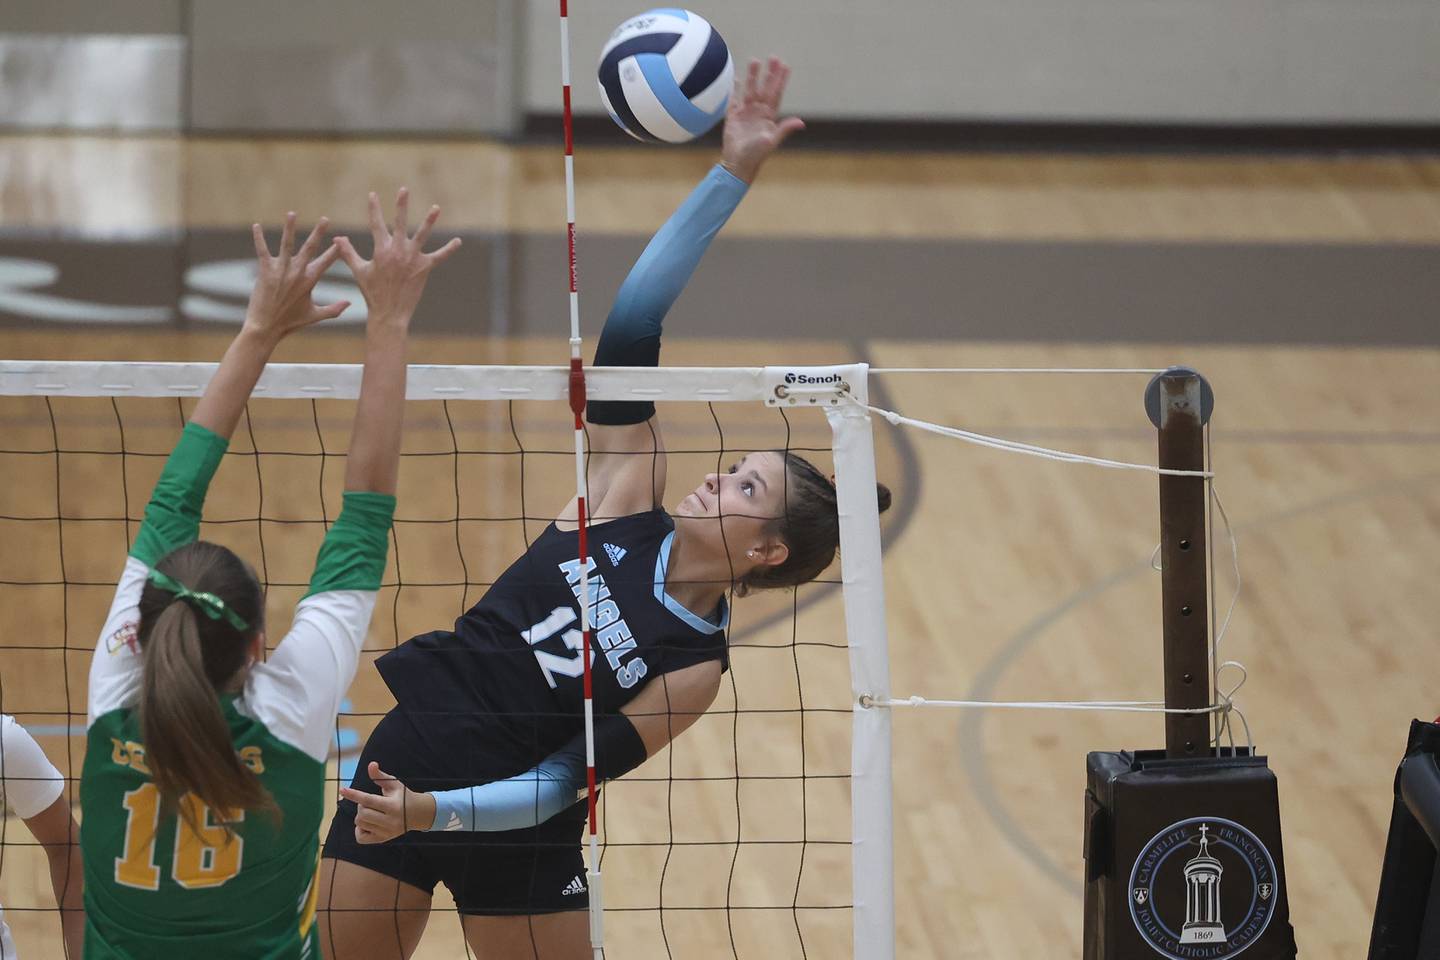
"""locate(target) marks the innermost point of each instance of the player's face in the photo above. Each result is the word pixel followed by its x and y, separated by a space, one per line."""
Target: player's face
pixel 744 501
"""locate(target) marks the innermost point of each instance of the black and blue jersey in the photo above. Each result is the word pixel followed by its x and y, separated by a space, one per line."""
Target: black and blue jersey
pixel 512 663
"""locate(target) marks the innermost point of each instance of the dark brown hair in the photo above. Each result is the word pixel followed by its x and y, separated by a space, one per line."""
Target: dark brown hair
pixel 809 527
pixel 189 657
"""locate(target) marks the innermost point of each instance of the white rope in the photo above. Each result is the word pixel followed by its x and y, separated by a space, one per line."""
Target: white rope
pixel 1051 370
pixel 1234 567
pixel 1015 446
pixel 1224 704
pixel 1116 706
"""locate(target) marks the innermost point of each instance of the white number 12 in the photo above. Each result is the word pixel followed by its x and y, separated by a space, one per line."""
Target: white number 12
pixel 553 663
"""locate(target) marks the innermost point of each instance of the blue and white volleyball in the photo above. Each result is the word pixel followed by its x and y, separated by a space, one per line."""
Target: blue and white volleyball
pixel 666 76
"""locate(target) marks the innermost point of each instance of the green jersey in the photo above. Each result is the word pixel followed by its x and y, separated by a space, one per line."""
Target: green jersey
pixel 154 885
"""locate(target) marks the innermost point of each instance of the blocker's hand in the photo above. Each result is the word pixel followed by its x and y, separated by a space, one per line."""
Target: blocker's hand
pixel 396 809
pixel 280 301
pixel 394 278
pixel 753 128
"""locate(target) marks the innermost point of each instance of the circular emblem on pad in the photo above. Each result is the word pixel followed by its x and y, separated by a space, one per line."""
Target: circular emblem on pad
pixel 1202 889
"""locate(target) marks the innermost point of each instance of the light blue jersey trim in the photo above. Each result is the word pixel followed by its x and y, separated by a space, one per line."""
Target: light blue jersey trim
pixel 699 623
pixel 662 84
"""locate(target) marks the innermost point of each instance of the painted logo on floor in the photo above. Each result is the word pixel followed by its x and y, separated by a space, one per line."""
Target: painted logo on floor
pixel 1202 889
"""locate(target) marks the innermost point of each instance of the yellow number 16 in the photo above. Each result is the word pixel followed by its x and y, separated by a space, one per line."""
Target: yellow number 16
pixel 205 859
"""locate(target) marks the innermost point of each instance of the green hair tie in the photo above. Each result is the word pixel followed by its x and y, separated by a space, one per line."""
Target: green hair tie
pixel 207 603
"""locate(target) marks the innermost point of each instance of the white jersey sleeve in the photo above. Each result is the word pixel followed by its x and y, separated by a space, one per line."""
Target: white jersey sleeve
pixel 31 782
pixel 296 692
pixel 116 666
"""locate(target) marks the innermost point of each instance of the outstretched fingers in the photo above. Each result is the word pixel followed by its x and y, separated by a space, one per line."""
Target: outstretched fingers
pixel 347 252
pixel 262 249
pixel 426 225
pixel 443 254
pixel 359 797
pixel 422 235
pixel 777 75
pixel 402 212
pixel 320 264
pixel 383 780
pixel 378 233
pixel 287 237
pixel 312 242
pixel 330 311
pixel 786 127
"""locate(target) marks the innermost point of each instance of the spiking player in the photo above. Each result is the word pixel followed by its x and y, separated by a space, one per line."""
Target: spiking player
pixel 204 775
pixel 496 702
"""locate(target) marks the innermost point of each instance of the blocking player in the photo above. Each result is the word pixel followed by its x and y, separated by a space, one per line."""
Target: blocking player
pixel 204 777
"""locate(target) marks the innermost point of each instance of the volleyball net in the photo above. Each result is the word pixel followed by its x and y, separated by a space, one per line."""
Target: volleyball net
pixel 763 830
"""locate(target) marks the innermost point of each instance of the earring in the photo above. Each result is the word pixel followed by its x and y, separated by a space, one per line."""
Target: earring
pixel 751 554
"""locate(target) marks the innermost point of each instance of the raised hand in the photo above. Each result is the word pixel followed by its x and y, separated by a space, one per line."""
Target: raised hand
pixel 280 301
pixel 753 128
pixel 393 280
pixel 391 812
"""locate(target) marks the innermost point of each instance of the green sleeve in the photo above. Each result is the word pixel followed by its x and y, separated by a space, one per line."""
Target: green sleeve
pixel 353 554
pixel 172 518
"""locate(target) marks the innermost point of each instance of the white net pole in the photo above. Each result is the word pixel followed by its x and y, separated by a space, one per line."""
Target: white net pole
pixel 872 830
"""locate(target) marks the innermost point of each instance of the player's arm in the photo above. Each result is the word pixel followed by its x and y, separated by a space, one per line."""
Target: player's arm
pixel 280 304
pixel 626 470
pixel 667 707
pixel 297 691
pixel 56 830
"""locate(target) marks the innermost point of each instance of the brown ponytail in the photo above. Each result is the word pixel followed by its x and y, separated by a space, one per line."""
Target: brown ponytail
pixel 810 527
pixel 189 657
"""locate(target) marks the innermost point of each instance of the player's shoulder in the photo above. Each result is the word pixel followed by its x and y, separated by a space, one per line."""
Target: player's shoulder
pixel 628 543
pixel 13 731
pixel 654 524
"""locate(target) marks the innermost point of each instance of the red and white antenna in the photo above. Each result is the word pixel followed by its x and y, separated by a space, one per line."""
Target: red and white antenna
pixel 577 406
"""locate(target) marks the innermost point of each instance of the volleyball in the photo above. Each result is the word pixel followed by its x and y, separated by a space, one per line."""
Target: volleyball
pixel 666 76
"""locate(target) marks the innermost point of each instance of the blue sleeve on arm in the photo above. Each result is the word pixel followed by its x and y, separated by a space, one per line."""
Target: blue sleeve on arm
pixel 522 801
pixel 631 337
pixel 544 790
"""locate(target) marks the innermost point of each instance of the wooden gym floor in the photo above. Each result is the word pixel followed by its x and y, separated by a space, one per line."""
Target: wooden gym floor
pixel 1007 578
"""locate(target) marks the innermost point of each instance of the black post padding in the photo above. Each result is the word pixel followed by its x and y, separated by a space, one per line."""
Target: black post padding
pixel 1430 932
pixel 1183 859
pixel 1407 908
pixel 1420 789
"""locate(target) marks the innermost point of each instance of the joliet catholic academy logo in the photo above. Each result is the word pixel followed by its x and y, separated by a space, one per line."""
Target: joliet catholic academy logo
pixel 1202 889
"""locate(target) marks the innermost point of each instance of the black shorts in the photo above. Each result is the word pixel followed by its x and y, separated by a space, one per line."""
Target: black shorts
pixel 514 872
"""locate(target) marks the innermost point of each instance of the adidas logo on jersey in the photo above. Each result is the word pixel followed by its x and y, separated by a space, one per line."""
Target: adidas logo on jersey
pixel 574 886
pixel 616 554
pixel 454 823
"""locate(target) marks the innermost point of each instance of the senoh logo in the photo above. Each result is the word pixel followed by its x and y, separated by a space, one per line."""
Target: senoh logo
pixel 810 379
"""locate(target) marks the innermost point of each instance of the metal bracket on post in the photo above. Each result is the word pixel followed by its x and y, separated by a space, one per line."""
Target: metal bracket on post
pixel 1179 402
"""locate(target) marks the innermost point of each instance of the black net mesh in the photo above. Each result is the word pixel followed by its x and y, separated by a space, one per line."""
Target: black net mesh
pixel 733 842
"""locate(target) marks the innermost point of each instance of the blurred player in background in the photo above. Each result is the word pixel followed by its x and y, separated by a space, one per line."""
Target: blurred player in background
pixel 35 790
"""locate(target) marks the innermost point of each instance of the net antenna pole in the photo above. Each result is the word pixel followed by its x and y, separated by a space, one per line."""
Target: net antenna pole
pixel 577 407
pixel 1179 402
